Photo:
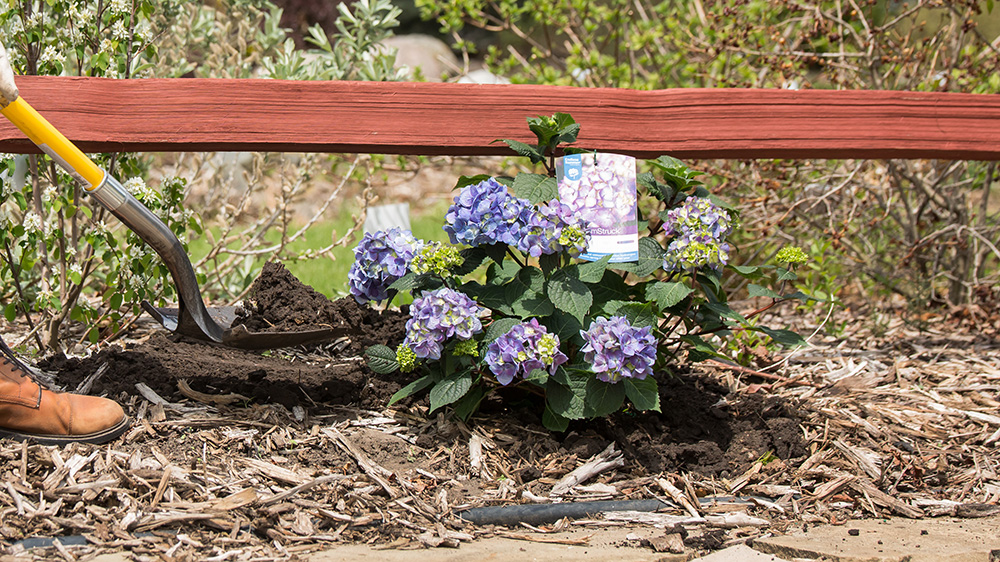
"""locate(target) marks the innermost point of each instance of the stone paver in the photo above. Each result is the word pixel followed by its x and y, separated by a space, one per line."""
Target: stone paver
pixel 898 540
pixel 739 553
pixel 603 546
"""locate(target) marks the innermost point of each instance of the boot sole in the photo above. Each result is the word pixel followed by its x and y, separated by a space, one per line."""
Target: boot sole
pixel 96 438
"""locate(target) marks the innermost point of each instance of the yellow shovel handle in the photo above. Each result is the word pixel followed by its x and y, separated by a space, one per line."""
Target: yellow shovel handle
pixel 42 133
pixel 53 143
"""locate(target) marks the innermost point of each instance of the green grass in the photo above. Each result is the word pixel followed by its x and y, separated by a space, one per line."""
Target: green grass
pixel 330 276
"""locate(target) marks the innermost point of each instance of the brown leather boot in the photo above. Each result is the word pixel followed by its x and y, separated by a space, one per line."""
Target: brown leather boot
pixel 29 412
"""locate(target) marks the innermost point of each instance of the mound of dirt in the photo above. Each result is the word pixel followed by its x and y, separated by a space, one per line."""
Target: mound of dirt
pixel 700 429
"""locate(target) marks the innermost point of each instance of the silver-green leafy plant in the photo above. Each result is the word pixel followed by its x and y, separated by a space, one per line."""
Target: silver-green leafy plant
pixel 72 272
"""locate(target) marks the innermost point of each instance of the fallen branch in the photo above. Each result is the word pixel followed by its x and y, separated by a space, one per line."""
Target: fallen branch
pixel 607 459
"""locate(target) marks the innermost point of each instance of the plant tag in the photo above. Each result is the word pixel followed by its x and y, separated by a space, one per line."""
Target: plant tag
pixel 384 217
pixel 600 188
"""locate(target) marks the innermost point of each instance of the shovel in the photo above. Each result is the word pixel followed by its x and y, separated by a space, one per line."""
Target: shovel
pixel 191 317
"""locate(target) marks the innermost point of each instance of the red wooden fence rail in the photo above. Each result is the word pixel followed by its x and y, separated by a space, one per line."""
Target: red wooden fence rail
pixel 103 115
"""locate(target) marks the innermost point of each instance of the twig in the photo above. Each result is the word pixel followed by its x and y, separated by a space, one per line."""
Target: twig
pixel 373 470
pixel 607 459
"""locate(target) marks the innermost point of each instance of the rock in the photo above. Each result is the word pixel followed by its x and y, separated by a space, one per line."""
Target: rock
pixel 482 76
pixel 895 540
pixel 422 55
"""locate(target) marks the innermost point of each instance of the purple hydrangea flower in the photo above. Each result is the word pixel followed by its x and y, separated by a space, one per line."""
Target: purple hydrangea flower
pixel 525 347
pixel 379 260
pixel 699 228
pixel 486 213
pixel 616 350
pixel 552 228
pixel 437 316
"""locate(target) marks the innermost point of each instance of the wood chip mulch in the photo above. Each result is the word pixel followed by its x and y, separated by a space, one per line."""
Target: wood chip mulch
pixel 903 424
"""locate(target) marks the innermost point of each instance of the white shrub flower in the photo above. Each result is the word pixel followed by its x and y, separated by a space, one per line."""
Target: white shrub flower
pixel 137 187
pixel 32 222
pixel 80 15
pixel 51 54
pixel 119 31
pixel 35 19
pixel 121 7
pixel 144 33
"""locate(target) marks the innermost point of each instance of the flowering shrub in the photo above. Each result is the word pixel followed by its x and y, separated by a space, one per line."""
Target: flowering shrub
pixel 589 336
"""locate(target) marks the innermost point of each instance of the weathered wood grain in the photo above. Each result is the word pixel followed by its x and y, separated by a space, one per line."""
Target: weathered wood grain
pixel 104 115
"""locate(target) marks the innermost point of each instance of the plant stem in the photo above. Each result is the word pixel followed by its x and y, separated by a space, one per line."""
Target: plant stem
pixel 16 274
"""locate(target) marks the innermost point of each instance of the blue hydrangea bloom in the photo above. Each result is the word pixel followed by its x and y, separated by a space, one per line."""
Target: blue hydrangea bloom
pixel 551 228
pixel 699 229
pixel 380 259
pixel 437 316
pixel 525 347
pixel 486 213
pixel 616 350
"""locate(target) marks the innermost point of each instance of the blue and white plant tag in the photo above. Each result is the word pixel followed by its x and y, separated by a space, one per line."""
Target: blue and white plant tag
pixel 600 188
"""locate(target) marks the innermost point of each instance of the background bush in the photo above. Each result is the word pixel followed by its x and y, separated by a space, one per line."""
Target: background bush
pixel 924 230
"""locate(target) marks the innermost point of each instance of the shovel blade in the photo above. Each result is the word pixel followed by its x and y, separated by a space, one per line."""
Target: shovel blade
pixel 237 335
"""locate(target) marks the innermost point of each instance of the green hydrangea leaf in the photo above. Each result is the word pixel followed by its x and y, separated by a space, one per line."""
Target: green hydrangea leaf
pixel 553 421
pixel 565 326
pixel 611 288
pixel 536 188
pixel 412 388
pixel 602 398
pixel 786 338
pixel 644 394
pixel 639 314
pixel 465 181
pixel 590 272
pixel 381 359
pixel 566 394
pixel 570 295
pixel 650 258
pixel 524 149
pixel 759 291
pixel 497 328
pixel 450 389
pixel 667 294
pixel 468 404
pixel 752 272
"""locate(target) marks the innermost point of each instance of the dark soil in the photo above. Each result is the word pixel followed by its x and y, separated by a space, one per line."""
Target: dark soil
pixel 701 428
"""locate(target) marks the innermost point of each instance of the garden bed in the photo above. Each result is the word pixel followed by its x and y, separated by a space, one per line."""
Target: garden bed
pixel 273 454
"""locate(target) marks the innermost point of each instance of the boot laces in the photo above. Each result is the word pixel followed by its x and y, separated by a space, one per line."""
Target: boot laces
pixel 11 358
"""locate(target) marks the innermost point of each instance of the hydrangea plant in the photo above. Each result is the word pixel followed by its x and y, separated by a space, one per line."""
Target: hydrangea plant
pixel 509 305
